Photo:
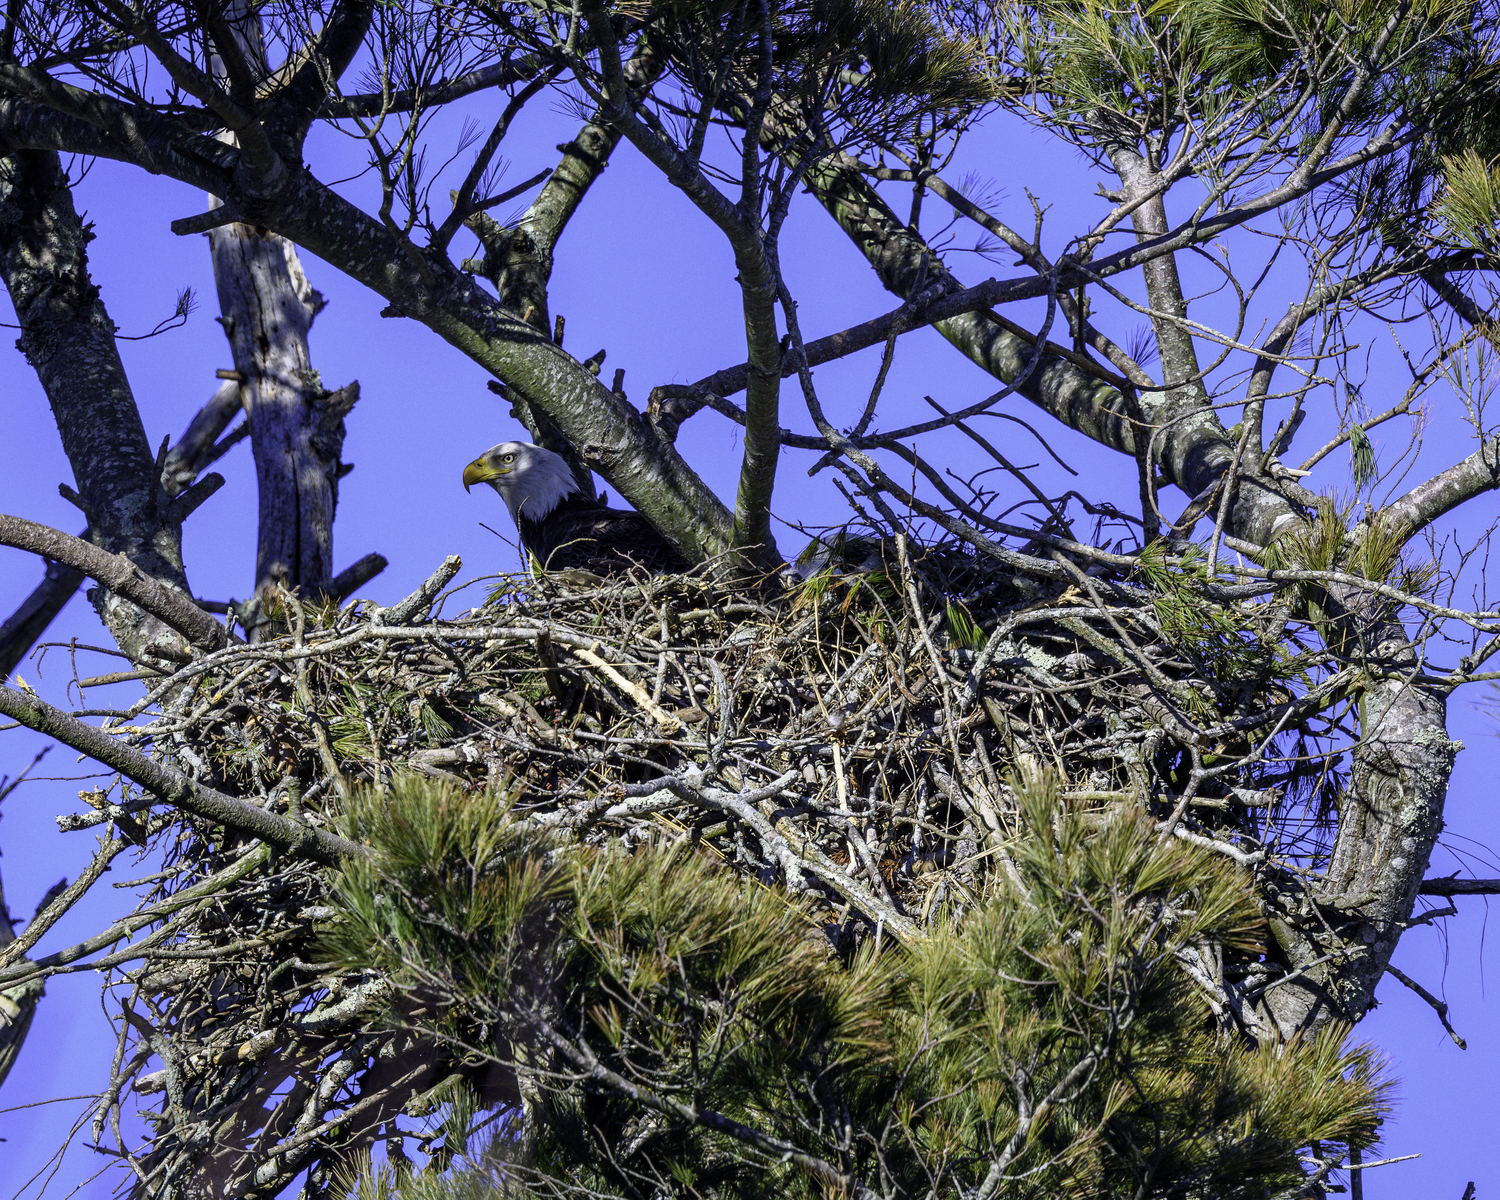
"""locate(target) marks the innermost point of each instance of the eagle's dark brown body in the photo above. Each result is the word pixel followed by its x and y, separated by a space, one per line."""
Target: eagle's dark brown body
pixel 582 535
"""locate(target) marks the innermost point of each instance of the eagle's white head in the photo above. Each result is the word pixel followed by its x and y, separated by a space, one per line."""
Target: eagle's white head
pixel 530 480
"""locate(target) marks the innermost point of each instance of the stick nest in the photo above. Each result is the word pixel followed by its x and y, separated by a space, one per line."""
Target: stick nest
pixel 849 736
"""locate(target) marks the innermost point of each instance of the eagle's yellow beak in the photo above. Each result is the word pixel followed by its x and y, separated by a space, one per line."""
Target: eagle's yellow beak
pixel 479 471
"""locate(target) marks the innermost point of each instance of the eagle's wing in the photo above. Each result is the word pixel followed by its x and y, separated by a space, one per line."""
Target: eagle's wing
pixel 584 536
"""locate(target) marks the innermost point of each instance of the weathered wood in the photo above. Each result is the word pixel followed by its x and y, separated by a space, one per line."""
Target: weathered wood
pixel 199 445
pixel 267 308
pixel 296 425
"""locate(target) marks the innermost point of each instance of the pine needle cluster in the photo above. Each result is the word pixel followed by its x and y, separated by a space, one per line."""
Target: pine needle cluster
pixel 678 1030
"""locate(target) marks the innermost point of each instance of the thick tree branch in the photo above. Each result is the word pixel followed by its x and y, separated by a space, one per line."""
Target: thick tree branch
pixel 1404 759
pixel 259 170
pixel 296 92
pixel 121 576
pixel 24 626
pixel 611 434
pixel 1192 458
pixel 519 261
pixel 1186 405
pixel 69 340
pixel 335 230
pixel 296 427
pixel 373 104
pixel 199 446
pixel 1445 491
pixel 757 275
pixel 1459 887
pixel 172 787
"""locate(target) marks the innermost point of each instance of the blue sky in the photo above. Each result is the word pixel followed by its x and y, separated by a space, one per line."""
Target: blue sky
pixel 642 274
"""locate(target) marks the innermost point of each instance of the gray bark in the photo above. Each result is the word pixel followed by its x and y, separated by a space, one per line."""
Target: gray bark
pixel 296 426
pixel 754 257
pixel 907 267
pixel 267 308
pixel 613 437
pixel 519 261
pixel 1444 492
pixel 618 442
pixel 69 340
pixel 200 446
pixel 166 605
pixel 1182 410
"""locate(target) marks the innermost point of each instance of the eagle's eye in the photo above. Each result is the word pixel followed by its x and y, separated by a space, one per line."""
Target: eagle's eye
pixel 508 458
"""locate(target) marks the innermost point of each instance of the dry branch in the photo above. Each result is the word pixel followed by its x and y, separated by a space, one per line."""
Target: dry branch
pixel 119 575
pixel 171 786
pixel 23 627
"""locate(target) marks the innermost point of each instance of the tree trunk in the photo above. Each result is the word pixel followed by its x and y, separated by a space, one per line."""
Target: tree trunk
pixel 296 426
pixel 69 340
pixel 267 308
pixel 611 434
pixel 519 261
pixel 1184 408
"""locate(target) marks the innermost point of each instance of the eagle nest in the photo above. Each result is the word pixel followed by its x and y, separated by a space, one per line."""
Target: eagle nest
pixel 851 736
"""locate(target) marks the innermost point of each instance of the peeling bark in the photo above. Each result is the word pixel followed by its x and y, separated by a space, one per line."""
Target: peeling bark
pixel 296 425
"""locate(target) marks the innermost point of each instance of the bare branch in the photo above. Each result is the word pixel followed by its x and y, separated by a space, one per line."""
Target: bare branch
pixel 174 788
pixel 1438 1006
pixel 119 575
pixel 373 104
pixel 356 576
pixel 1459 887
pixel 1445 491
pixel 24 626
pixel 1464 306
pixel 196 449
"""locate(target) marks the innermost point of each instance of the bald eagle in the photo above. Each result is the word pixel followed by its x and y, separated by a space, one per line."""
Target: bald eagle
pixel 562 525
